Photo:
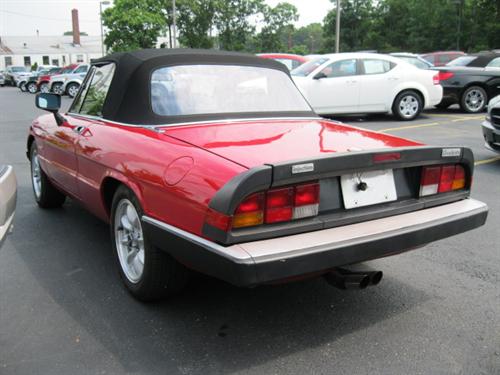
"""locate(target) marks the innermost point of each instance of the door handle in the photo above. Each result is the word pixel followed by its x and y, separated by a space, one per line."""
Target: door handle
pixel 79 129
pixel 393 78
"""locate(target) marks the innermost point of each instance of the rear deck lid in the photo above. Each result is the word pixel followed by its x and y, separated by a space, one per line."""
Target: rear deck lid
pixel 253 143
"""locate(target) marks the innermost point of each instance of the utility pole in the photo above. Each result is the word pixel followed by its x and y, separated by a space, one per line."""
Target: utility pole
pixel 174 18
pixel 337 29
pixel 101 3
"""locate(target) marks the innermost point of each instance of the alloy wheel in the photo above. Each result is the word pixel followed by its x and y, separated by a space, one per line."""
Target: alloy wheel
pixel 408 106
pixel 474 100
pixel 129 240
pixel 36 174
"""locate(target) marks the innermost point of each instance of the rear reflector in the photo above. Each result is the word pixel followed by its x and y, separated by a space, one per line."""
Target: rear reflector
pixel 217 220
pixel 441 179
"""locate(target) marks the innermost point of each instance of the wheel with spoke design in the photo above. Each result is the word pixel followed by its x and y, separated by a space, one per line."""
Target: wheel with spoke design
pixel 148 273
pixel 474 99
pixel 407 105
pixel 72 89
pixel 46 194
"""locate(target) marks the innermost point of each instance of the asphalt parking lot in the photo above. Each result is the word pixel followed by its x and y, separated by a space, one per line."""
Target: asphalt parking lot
pixel 63 309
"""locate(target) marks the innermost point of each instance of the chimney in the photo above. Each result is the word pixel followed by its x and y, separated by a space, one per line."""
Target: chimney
pixel 76 27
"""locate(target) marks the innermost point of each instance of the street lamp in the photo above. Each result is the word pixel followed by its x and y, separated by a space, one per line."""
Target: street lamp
pixel 337 29
pixel 174 16
pixel 101 3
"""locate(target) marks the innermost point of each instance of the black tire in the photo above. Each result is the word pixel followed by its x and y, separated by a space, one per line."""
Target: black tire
pixel 22 87
pixel 162 276
pixel 57 89
pixel 415 105
pixel 70 88
pixel 467 104
pixel 49 196
pixel 32 87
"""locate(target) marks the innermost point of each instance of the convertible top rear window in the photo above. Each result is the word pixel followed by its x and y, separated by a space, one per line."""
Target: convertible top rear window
pixel 208 89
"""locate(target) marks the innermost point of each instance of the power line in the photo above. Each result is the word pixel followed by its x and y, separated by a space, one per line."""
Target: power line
pixel 47 18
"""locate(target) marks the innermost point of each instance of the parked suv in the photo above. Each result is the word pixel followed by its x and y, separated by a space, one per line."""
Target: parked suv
pixel 14 73
pixel 68 83
pixel 43 82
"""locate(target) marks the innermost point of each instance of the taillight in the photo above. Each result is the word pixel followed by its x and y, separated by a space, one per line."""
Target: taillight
pixel 278 205
pixel 441 179
pixel 250 212
pixel 443 76
pixel 436 80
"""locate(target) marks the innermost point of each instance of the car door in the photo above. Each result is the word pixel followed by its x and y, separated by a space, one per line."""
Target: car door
pixel 58 152
pixel 377 81
pixel 87 110
pixel 335 88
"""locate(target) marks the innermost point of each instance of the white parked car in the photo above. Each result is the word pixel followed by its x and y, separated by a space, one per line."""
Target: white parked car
pixel 346 83
pixel 8 196
pixel 68 83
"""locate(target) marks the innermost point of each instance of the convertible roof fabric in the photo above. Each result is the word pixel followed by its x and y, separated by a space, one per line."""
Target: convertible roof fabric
pixel 128 99
pixel 483 59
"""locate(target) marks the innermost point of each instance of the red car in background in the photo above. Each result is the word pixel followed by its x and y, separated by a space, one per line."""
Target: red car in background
pixel 213 161
pixel 43 81
pixel 441 58
pixel 290 60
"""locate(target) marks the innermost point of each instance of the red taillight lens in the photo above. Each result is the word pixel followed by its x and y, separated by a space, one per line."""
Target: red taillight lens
pixel 279 205
pixel 436 79
pixel 441 179
pixel 306 194
pixel 250 212
pixel 446 178
pixel 443 76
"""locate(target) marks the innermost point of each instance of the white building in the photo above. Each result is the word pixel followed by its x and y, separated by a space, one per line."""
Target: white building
pixel 47 50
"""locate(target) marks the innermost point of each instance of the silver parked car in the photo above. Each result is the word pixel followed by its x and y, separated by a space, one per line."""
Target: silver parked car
pixel 2 78
pixel 491 125
pixel 8 197
pixel 68 83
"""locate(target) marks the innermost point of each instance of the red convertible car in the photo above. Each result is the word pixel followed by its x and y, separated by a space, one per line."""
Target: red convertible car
pixel 214 162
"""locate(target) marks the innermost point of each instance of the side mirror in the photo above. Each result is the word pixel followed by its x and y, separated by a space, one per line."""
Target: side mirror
pixel 51 103
pixel 48 102
pixel 320 75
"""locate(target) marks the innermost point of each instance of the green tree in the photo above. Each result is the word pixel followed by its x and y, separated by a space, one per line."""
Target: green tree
pixel 233 22
pixel 134 24
pixel 309 37
pixel 278 29
pixel 195 22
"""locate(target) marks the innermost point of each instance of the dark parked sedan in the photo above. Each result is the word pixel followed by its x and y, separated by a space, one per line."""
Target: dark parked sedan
pixel 471 87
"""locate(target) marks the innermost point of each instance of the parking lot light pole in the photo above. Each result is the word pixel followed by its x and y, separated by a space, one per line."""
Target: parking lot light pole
pixel 337 29
pixel 174 26
pixel 101 3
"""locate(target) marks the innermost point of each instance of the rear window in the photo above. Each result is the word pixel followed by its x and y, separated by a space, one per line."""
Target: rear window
pixel 462 61
pixel 209 89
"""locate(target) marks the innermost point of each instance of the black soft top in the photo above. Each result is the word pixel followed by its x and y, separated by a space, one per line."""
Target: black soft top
pixel 128 98
pixel 482 59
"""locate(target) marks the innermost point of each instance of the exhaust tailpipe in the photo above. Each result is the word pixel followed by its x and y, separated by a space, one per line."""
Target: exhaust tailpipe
pixel 346 279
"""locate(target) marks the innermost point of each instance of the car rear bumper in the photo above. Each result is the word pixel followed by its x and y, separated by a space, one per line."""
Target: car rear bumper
pixel 8 197
pixel 264 261
pixel 451 95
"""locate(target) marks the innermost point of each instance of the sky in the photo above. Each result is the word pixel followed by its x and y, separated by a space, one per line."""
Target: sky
pixel 53 17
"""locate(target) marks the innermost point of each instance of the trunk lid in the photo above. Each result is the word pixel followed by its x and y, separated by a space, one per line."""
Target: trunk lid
pixel 255 142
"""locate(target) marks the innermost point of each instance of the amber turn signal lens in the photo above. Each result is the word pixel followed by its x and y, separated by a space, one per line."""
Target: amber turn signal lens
pixel 248 219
